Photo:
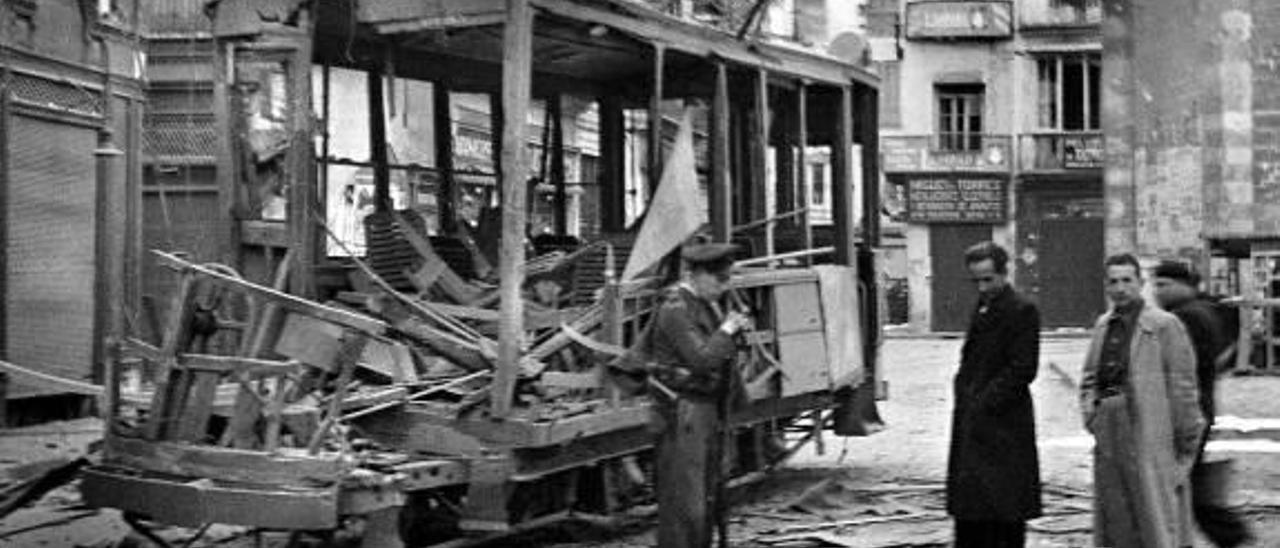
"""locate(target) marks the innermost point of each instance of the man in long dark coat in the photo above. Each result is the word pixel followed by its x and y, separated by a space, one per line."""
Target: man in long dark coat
pixel 693 343
pixel 1177 291
pixel 993 474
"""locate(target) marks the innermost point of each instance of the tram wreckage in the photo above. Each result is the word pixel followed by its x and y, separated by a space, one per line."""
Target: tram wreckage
pixel 443 399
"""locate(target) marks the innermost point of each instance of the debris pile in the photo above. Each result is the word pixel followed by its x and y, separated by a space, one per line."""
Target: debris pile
pixel 285 372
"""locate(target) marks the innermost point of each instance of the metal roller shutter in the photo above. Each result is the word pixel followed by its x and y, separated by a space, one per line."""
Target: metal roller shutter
pixel 49 282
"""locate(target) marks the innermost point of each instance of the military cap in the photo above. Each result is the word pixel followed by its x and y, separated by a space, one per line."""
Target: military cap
pixel 709 253
pixel 1175 270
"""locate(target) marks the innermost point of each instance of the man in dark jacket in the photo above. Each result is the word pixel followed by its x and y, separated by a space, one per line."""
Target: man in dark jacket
pixel 993 473
pixel 1177 290
pixel 693 344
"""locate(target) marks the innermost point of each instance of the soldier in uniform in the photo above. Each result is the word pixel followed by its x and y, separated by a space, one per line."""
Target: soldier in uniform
pixel 693 348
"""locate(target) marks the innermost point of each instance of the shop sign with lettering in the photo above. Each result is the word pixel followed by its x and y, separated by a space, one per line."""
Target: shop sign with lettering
pixel 916 154
pixel 959 19
pixel 957 199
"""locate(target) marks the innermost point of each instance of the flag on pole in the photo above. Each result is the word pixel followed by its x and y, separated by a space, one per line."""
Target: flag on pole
pixel 675 213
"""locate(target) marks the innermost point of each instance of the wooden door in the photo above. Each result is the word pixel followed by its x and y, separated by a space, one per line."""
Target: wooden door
pixel 953 294
pixel 1071 274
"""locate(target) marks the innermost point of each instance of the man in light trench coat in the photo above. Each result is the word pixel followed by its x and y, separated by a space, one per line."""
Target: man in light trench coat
pixel 1140 401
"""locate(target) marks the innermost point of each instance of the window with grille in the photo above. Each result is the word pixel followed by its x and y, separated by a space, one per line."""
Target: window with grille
pixel 959 117
pixel 1069 91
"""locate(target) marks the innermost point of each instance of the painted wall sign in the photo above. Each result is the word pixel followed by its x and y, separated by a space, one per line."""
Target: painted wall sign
pixel 916 154
pixel 1082 151
pixel 964 19
pixel 957 199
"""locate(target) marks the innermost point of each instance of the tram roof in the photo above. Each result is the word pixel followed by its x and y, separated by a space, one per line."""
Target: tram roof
pixel 581 41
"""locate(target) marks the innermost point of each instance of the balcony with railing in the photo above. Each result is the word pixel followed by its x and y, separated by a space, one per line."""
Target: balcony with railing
pixel 1059 13
pixel 1061 151
pixel 941 153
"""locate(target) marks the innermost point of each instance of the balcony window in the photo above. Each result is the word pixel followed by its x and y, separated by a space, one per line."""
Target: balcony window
pixel 1069 92
pixel 959 117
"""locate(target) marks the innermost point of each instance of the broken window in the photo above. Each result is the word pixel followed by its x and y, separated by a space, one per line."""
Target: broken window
pixel 262 88
pixel 345 162
pixel 1069 91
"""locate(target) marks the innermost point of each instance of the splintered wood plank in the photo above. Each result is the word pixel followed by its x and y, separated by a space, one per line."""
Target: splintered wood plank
pixel 271 439
pixel 241 432
pixel 287 467
pixel 194 504
pixel 193 421
pixel 248 367
pixel 390 359
pixel 311 341
pixel 517 74
pixel 175 334
pixel 352 347
pixel 289 302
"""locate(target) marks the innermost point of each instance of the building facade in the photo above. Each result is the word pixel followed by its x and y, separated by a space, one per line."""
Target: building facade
pixel 71 104
pixel 1193 168
pixel 991 130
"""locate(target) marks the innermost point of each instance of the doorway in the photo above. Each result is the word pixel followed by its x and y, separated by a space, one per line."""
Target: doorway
pixel 953 294
pixel 1071 255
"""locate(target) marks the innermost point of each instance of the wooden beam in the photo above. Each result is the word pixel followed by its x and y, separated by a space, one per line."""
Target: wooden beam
pixel 289 468
pixel 190 504
pixel 4 225
pixel 497 126
pixel 612 179
pixel 759 156
pixel 555 105
pixel 703 42
pixel 517 72
pixel 720 196
pixel 442 123
pixel 802 175
pixel 285 301
pixel 842 180
pixel 227 230
pixel 869 137
pixel 378 143
pixel 655 118
pixel 785 161
pixel 301 169
pixel 175 336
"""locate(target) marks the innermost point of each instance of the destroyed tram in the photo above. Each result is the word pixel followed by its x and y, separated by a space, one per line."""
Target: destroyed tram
pixel 442 373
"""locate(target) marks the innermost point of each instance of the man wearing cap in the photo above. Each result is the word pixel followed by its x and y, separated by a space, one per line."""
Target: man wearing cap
pixel 1139 399
pixel 1177 291
pixel 693 344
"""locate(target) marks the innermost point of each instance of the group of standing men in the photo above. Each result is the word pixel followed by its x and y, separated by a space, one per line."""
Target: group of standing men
pixel 1146 395
pixel 1147 398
